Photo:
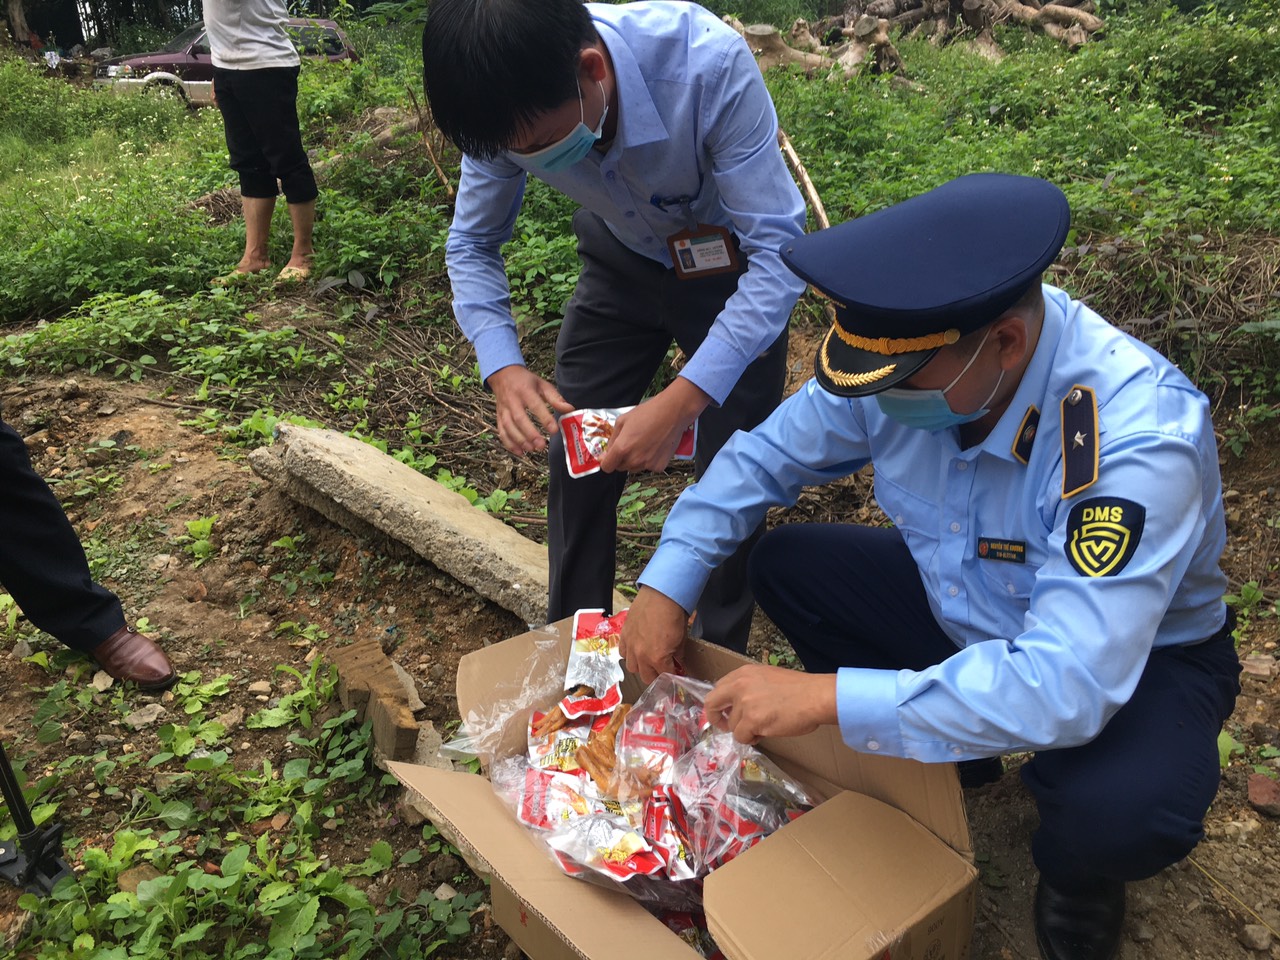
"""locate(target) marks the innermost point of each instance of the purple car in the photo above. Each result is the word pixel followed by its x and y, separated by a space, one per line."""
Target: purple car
pixel 183 67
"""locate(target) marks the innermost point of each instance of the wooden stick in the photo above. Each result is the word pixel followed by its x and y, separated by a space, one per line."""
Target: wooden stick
pixel 426 142
pixel 802 175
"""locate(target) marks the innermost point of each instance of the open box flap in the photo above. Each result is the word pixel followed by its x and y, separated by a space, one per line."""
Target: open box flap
pixel 595 921
pixel 843 881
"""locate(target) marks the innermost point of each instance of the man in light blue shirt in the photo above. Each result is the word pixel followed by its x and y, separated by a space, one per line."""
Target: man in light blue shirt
pixel 654 117
pixel 1050 582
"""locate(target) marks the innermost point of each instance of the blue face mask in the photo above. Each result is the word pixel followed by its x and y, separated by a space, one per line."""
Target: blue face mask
pixel 564 153
pixel 928 409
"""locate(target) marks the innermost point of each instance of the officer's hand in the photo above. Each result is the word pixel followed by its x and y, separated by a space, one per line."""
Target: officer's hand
pixel 525 404
pixel 646 437
pixel 653 635
pixel 758 701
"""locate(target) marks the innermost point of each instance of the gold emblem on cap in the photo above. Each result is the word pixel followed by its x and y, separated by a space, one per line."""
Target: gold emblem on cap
pixel 888 346
pixel 841 379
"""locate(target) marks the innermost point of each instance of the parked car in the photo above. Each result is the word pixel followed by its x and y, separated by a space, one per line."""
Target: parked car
pixel 184 67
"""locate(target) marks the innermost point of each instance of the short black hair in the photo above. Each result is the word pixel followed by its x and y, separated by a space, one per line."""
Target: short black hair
pixel 490 67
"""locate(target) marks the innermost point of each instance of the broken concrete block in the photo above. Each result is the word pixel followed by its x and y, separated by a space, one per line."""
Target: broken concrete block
pixel 370 493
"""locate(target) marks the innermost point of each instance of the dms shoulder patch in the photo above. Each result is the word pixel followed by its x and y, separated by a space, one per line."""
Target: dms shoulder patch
pixel 1102 535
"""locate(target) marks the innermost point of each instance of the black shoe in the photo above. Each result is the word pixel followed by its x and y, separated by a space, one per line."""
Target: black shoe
pixel 1079 926
pixel 978 773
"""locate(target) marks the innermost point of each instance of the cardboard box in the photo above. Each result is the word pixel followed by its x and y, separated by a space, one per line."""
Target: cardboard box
pixel 882 870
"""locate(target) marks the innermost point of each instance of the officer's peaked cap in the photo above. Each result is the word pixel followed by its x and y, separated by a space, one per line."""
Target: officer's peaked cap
pixel 914 277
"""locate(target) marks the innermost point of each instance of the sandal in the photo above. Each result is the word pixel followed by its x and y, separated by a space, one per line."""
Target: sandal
pixel 291 276
pixel 236 278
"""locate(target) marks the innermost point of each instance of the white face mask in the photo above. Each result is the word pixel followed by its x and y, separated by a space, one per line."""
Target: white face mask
pixel 928 409
pixel 573 146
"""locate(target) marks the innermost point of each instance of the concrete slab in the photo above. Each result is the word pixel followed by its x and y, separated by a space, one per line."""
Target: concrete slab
pixel 369 492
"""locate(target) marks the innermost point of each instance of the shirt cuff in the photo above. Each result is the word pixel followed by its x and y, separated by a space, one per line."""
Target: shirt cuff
pixel 497 348
pixel 678 577
pixel 714 368
pixel 867 705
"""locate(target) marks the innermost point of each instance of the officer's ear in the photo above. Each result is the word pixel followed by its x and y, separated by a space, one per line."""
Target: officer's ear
pixel 1014 339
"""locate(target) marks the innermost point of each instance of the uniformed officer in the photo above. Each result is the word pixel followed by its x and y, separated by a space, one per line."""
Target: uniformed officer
pixel 43 567
pixel 1049 581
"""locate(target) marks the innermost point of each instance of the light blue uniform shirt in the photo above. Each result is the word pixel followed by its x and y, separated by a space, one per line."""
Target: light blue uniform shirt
pixel 694 120
pixel 1045 655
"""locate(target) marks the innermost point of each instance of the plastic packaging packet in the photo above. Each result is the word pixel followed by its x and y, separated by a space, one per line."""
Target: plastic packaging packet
pixel 734 796
pixel 587 434
pixel 606 844
pixel 543 799
pixel 666 721
pixel 604 850
pixel 483 730
pixel 667 828
pixel 558 750
pixel 595 664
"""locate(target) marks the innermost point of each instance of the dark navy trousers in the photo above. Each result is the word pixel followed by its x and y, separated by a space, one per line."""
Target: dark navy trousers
pixel 622 319
pixel 1123 806
pixel 42 565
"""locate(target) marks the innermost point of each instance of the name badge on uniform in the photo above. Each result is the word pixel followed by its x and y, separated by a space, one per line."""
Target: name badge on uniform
pixel 1011 551
pixel 700 249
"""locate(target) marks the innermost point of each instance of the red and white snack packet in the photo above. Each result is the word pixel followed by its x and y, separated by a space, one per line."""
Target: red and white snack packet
pixel 558 750
pixel 667 720
pixel 594 663
pixel 587 434
pixel 606 844
pixel 733 797
pixel 666 828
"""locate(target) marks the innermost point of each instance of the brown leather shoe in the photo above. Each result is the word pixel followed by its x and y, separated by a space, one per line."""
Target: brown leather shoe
pixel 130 655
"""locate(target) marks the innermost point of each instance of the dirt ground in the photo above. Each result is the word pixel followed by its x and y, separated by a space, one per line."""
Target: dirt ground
pixel 225 616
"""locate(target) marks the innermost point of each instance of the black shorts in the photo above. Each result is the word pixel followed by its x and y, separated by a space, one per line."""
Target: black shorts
pixel 260 114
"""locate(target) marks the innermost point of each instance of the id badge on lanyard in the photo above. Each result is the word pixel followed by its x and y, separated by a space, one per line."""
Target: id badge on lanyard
pixel 700 249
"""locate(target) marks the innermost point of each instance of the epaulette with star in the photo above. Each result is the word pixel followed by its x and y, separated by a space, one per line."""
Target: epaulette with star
pixel 1080 446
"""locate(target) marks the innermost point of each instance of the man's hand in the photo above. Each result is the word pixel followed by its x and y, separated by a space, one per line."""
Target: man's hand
pixel 653 635
pixel 758 701
pixel 522 398
pixel 646 437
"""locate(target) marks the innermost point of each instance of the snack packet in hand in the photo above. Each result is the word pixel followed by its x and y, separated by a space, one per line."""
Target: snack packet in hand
pixel 587 434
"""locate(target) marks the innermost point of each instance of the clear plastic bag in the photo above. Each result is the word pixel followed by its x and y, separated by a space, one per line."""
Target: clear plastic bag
pixel 733 796
pixel 645 798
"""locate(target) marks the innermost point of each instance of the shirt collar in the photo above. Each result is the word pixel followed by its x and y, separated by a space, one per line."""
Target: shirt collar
pixel 638 119
pixel 1031 389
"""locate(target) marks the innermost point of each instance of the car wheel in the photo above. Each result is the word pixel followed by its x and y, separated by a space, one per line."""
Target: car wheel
pixel 168 91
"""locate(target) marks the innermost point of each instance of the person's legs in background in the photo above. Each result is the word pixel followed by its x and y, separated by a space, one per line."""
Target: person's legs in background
pixel 258 187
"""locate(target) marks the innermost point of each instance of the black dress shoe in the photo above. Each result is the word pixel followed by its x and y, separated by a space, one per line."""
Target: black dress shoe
pixel 1082 925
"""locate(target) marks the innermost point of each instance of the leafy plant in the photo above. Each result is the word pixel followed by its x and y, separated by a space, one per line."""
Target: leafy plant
pixel 198 539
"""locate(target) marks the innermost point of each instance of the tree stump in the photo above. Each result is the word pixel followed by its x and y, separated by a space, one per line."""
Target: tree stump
pixel 772 51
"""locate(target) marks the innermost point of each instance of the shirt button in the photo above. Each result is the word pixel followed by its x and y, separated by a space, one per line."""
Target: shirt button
pixel 873 744
pixel 1011 588
pixel 898 519
pixel 611 175
pixel 955 527
pixel 952 591
pixel 962 465
pixel 957 751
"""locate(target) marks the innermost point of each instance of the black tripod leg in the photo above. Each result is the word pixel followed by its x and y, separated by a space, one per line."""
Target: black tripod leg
pixel 35 861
